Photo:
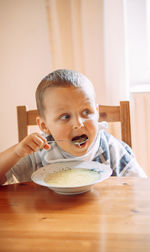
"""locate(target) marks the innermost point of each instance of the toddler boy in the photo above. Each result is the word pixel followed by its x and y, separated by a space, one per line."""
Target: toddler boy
pixel 67 112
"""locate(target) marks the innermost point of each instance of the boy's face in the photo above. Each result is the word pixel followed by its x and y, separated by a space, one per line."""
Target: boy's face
pixel 70 113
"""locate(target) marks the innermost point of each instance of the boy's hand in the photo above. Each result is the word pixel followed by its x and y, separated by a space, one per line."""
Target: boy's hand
pixel 30 144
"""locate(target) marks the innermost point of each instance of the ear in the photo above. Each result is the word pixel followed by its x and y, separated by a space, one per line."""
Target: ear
pixel 42 125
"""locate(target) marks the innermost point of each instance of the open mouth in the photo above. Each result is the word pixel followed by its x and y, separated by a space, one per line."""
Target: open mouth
pixel 79 140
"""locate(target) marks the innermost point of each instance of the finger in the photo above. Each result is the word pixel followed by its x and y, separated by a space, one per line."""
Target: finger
pixel 41 137
pixel 47 147
pixel 40 141
pixel 33 146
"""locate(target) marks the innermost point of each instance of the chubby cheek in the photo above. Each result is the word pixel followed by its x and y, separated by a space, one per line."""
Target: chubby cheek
pixel 60 132
pixel 92 127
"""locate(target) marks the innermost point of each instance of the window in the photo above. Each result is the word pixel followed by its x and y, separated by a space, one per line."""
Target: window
pixel 137 14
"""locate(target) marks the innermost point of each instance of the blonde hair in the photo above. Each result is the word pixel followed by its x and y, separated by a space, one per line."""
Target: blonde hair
pixel 60 78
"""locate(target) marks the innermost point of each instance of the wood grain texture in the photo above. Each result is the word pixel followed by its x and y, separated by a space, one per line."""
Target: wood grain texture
pixel 113 216
pixel 25 118
pixel 118 114
pixel 22 122
pixel 125 122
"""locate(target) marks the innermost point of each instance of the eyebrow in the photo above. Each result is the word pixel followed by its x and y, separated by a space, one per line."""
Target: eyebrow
pixel 61 109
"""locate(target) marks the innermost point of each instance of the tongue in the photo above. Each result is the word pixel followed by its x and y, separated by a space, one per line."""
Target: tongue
pixel 79 138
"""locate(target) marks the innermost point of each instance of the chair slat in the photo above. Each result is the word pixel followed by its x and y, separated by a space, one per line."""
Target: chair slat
pixel 31 117
pixel 109 113
pixel 22 122
pixel 125 122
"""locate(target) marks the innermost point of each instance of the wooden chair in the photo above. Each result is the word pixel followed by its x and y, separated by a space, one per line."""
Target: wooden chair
pixel 120 114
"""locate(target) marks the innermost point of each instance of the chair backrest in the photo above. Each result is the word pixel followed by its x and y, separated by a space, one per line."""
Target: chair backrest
pixel 120 114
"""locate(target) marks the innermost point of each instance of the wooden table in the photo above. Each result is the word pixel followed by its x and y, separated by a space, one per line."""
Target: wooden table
pixel 113 217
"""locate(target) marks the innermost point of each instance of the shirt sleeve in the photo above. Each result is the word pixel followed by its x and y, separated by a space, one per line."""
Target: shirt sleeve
pixel 122 159
pixel 21 171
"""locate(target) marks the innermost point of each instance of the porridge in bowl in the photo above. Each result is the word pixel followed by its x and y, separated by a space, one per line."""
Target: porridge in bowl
pixel 72 177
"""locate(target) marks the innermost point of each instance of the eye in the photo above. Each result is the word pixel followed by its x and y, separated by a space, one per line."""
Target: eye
pixel 86 112
pixel 64 117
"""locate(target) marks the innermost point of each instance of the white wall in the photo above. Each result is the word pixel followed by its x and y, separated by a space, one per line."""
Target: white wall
pixel 24 60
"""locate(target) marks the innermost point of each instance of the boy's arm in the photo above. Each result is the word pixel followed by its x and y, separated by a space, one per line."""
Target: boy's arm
pixel 8 158
pixel 11 156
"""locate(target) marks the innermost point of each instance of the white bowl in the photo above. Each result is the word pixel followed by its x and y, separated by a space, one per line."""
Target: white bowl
pixel 38 177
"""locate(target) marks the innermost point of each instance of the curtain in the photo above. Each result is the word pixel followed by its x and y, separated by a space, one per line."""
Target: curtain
pixel 88 36
pixel 140 105
pixel 76 38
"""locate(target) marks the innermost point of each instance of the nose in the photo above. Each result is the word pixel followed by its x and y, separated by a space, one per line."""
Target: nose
pixel 78 123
